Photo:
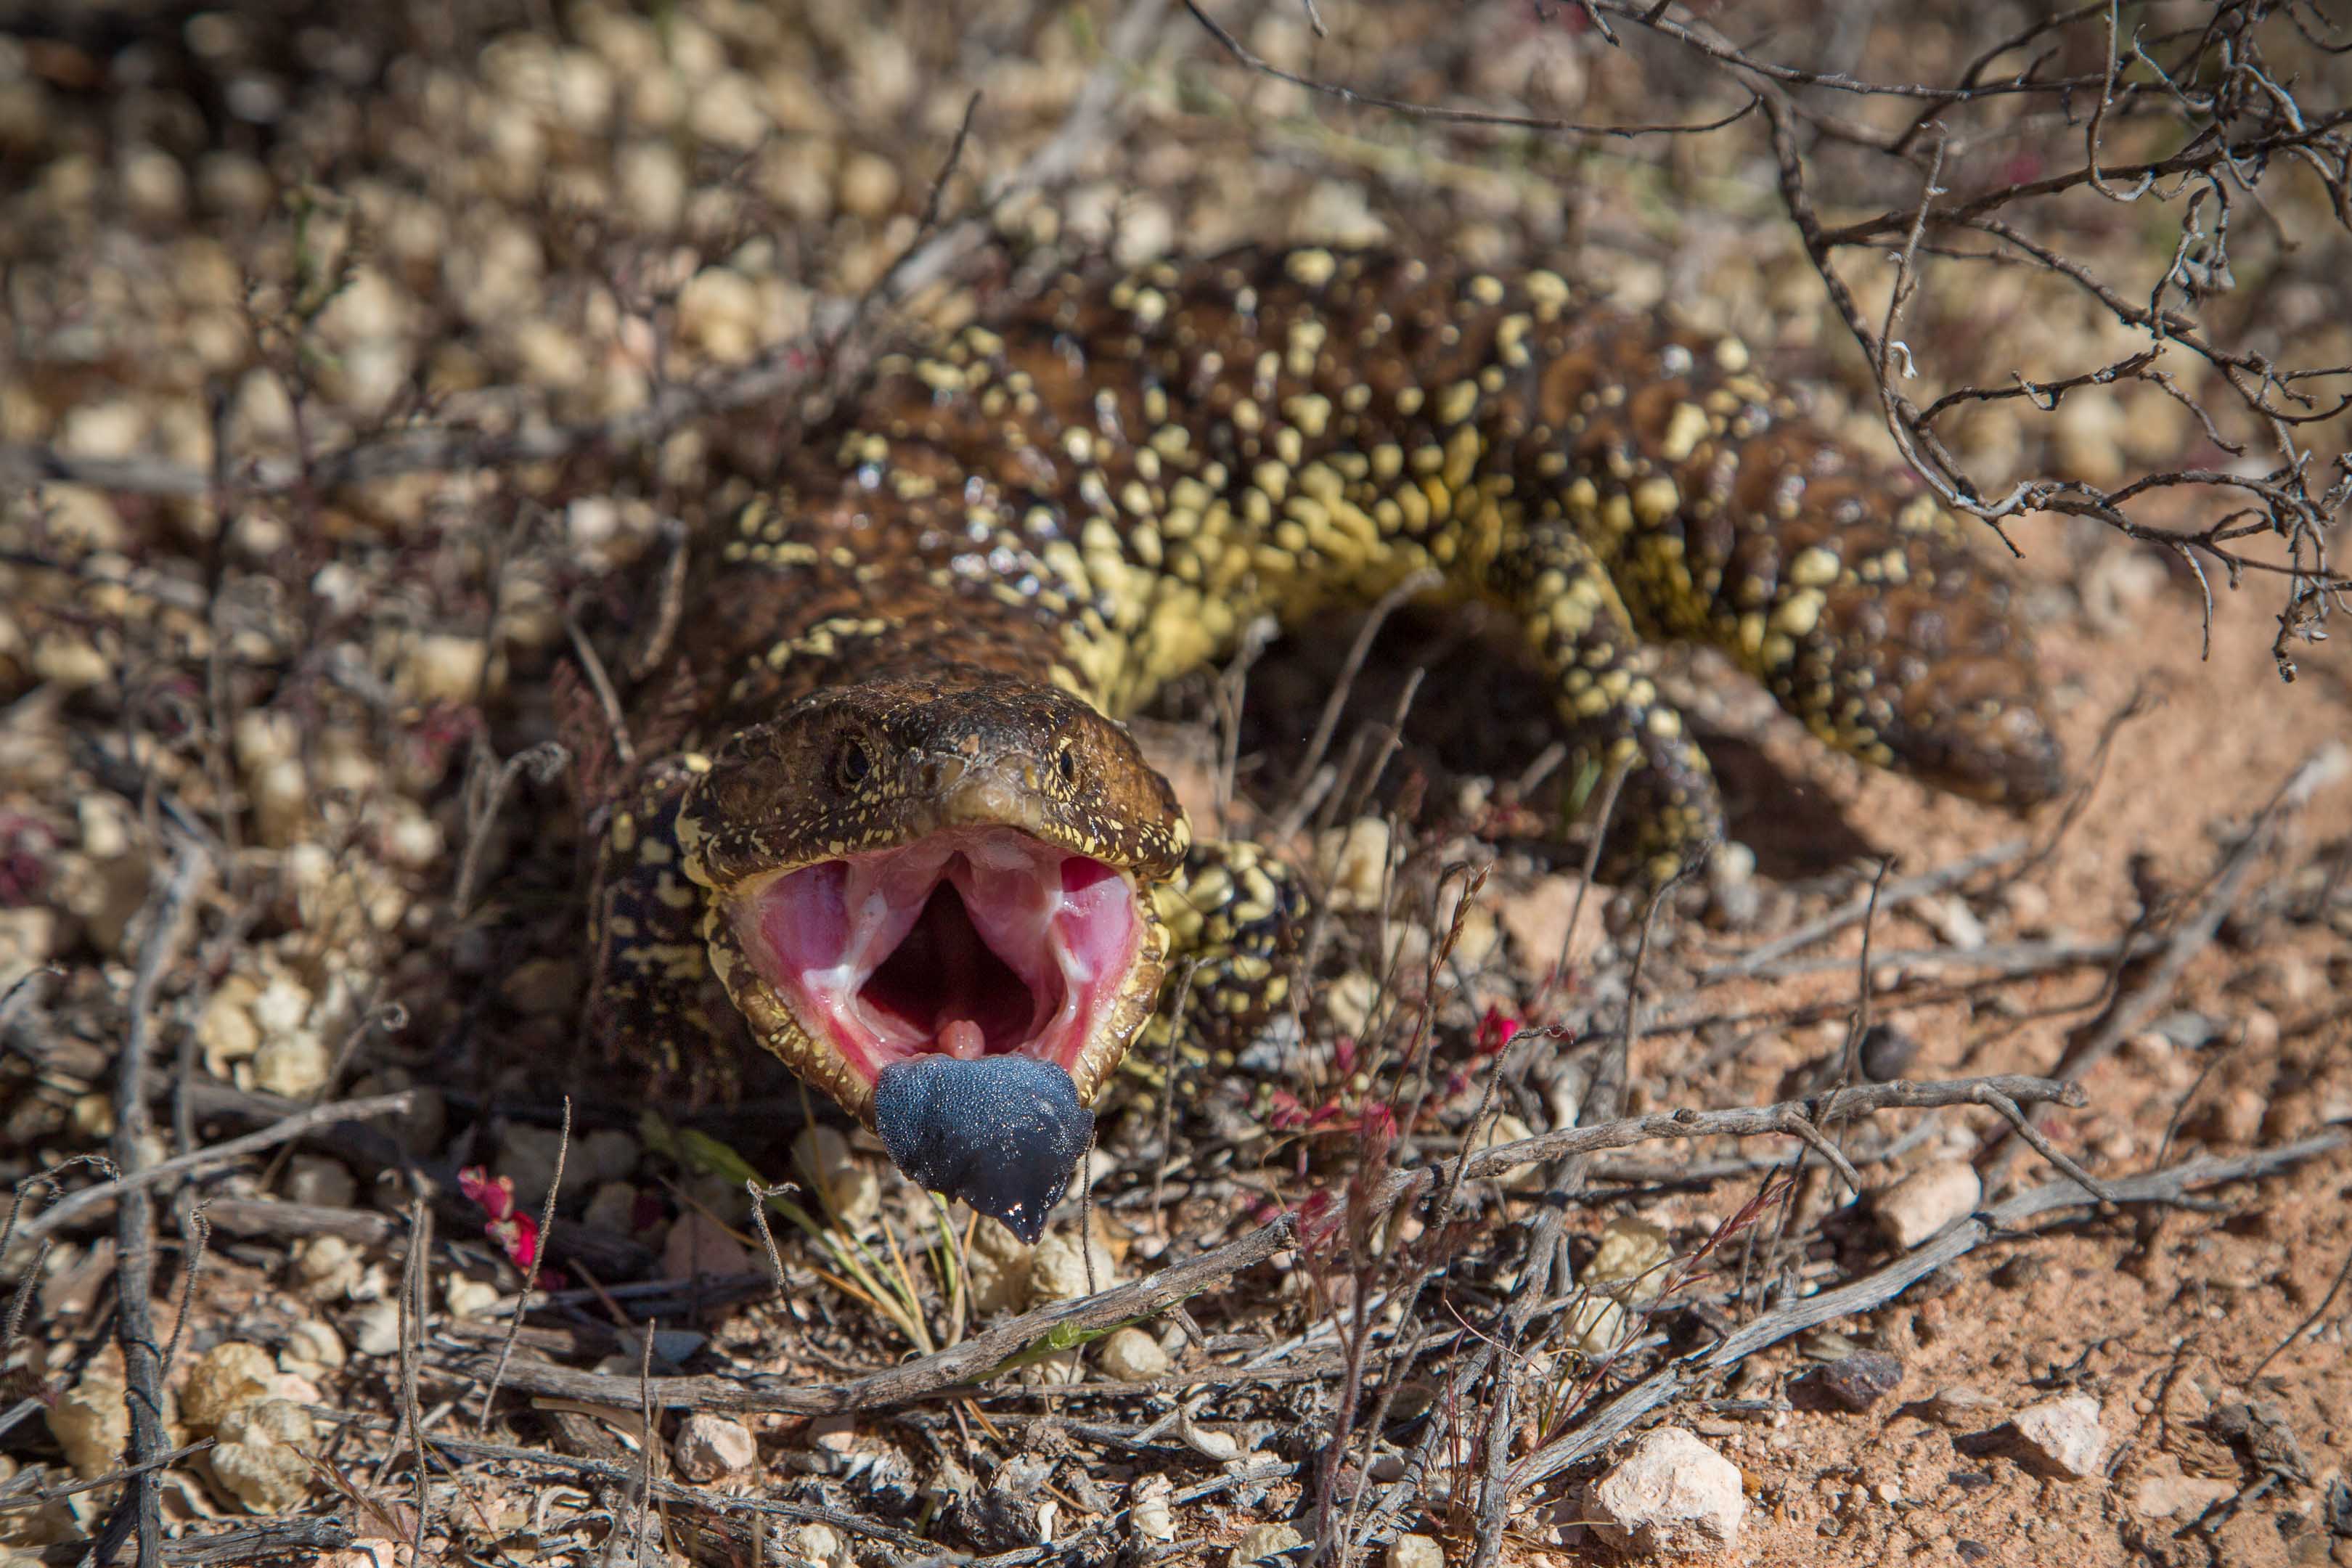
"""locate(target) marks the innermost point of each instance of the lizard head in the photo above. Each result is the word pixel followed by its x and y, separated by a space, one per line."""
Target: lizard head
pixel 931 898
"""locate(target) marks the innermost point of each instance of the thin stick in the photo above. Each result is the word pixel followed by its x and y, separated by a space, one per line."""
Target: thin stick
pixel 530 1275
pixel 70 1208
pixel 2302 1328
pixel 134 1217
pixel 543 762
pixel 616 719
pixel 1892 896
pixel 414 1276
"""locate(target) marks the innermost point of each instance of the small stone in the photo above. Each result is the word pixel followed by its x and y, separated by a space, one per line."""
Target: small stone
pixel 320 1182
pixel 997 1269
pixel 1597 1325
pixel 295 1065
pixel 2025 1268
pixel 28 936
pixel 613 1209
pixel 1961 1405
pixel 1260 1541
pixel 1923 1203
pixel 709 1447
pixel 1147 231
pixel 378 1325
pixel 1539 923
pixel 1354 863
pixel 91 1423
pixel 869 185
pixel 1131 1355
pixel 2063 1436
pixel 311 1350
pixel 1504 1129
pixel 2166 1493
pixel 111 430
pixel 1630 1260
pixel 261 1456
pixel 818 1544
pixel 1672 1496
pixel 1337 211
pixel 469 1297
pixel 605 1155
pixel 1351 1000
pixel 2089 427
pixel 2186 1030
pixel 1887 1053
pixel 848 1187
pixel 718 313
pixel 327 1268
pixel 227 1033
pixel 698 1244
pixel 70 663
pixel 1057 1269
pixel 651 180
pixel 442 667
pixel 727 111
pixel 2235 1117
pixel 1148 1511
pixel 1731 887
pixel 1859 1381
pixel 226 1376
pixel 2116 586
pixel 1416 1552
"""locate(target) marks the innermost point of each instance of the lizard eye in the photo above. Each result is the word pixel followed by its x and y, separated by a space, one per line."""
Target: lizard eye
pixel 850 768
pixel 1065 763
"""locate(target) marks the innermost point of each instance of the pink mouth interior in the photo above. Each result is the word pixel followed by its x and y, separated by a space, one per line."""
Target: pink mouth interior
pixel 973 942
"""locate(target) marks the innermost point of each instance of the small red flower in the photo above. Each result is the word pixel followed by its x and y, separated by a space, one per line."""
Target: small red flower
pixel 1496 1028
pixel 516 1234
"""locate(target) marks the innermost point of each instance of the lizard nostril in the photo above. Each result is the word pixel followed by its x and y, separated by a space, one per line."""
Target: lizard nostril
pixel 930 777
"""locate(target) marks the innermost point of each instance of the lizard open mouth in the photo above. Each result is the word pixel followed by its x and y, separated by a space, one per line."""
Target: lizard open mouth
pixel 970 942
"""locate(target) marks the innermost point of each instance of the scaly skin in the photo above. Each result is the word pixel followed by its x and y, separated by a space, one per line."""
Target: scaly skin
pixel 1017 536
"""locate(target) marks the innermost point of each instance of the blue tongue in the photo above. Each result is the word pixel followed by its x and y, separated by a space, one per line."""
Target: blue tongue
pixel 1002 1132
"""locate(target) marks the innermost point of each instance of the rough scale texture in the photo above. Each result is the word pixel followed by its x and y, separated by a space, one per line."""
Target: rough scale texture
pixel 1029 528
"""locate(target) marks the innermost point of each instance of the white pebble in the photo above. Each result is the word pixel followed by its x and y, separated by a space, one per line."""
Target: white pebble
pixel 1672 1495
pixel 1131 1355
pixel 1923 1203
pixel 1057 1270
pixel 1354 863
pixel 1416 1552
pixel 1148 1509
pixel 2064 1435
pixel 311 1350
pixel 1260 1541
pixel 261 1458
pixel 708 1446
pixel 378 1328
